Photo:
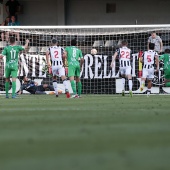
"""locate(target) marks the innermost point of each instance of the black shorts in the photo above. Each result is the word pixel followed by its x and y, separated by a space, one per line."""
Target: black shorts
pixel 40 88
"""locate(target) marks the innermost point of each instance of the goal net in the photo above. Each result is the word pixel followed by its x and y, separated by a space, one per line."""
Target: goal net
pixel 97 77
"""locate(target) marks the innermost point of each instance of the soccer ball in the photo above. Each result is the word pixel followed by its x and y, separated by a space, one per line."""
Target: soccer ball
pixel 93 51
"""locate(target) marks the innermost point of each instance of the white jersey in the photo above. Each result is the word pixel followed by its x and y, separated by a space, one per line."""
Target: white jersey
pixel 56 53
pixel 148 58
pixel 124 55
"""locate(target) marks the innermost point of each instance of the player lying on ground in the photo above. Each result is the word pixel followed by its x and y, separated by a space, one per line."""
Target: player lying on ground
pixel 11 53
pixel 166 60
pixel 124 54
pixel 73 54
pixel 148 67
pixel 33 87
pixel 55 53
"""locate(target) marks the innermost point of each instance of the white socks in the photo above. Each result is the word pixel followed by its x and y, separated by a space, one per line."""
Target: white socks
pixel 55 87
pixel 123 83
pixel 130 84
pixel 65 84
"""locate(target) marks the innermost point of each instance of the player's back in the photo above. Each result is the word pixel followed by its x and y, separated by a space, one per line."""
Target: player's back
pixel 148 57
pixel 73 55
pixel 124 54
pixel 12 52
pixel 56 53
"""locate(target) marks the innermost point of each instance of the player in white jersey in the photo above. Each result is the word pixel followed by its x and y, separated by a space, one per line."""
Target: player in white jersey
pixel 55 53
pixel 124 54
pixel 148 58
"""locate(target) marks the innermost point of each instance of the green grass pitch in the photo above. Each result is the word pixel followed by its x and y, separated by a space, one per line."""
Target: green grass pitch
pixel 102 132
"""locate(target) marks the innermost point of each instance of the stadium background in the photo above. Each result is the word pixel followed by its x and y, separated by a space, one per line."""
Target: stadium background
pixel 94 13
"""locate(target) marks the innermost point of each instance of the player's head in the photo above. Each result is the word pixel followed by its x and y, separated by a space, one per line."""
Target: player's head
pixel 54 41
pixel 151 46
pixel 73 42
pixel 12 40
pixel 167 51
pixel 153 34
pixel 25 78
pixel 13 19
pixel 124 43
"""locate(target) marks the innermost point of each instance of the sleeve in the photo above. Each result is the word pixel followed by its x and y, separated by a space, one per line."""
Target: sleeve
pixel 80 54
pixel 22 87
pixel 21 48
pixel 159 38
pixel 62 50
pixel 149 39
pixel 156 54
pixel 66 49
pixel 161 57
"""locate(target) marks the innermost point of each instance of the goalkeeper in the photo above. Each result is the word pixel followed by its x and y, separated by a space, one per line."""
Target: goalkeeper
pixel 166 60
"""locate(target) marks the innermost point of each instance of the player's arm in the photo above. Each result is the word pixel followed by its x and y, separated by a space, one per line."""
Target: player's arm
pixel 26 44
pixel 3 53
pixel 81 59
pixel 48 58
pixel 161 46
pixel 113 59
pixel 64 57
pixel 36 84
pixel 157 62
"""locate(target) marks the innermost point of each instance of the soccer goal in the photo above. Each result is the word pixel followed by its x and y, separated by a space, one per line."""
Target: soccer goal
pixel 97 77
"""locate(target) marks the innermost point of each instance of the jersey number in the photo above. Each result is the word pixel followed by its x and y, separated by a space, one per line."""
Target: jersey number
pixel 56 54
pixel 13 54
pixel 149 58
pixel 125 54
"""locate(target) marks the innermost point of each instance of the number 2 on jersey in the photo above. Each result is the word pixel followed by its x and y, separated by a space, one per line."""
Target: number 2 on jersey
pixel 56 54
pixel 149 58
pixel 125 54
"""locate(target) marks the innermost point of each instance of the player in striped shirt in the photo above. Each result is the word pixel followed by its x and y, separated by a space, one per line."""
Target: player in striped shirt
pixel 124 54
pixel 148 67
pixel 55 53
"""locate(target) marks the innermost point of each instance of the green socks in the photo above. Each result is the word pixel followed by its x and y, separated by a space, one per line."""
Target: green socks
pixel 7 88
pixel 13 88
pixel 79 85
pixel 73 85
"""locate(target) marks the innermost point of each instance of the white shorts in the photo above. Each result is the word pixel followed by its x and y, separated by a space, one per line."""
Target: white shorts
pixel 58 70
pixel 125 70
pixel 148 73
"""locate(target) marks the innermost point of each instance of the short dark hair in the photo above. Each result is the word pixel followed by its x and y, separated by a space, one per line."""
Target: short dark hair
pixel 153 32
pixel 151 46
pixel 124 43
pixel 54 41
pixel 12 40
pixel 73 42
pixel 167 51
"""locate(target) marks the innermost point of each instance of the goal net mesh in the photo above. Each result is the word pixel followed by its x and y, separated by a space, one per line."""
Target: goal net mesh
pixel 97 77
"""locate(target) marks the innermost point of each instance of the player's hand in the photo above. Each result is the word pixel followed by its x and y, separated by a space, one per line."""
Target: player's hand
pixel 27 40
pixel 48 65
pixel 112 65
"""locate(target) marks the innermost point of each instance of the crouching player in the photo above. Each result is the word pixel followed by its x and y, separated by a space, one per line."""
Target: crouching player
pixel 166 60
pixel 148 58
pixel 124 54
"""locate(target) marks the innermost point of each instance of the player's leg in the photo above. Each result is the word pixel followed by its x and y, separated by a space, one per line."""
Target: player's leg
pixel 7 81
pixel 143 79
pixel 41 89
pixel 55 85
pixel 71 73
pixel 14 76
pixel 54 71
pixel 149 78
pixel 149 87
pixel 129 76
pixel 78 82
pixel 64 79
pixel 167 77
pixel 123 76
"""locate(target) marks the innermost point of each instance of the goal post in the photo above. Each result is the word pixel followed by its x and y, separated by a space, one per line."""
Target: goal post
pixel 97 77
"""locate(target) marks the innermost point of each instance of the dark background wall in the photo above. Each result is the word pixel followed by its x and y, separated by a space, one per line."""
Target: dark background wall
pixel 93 12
